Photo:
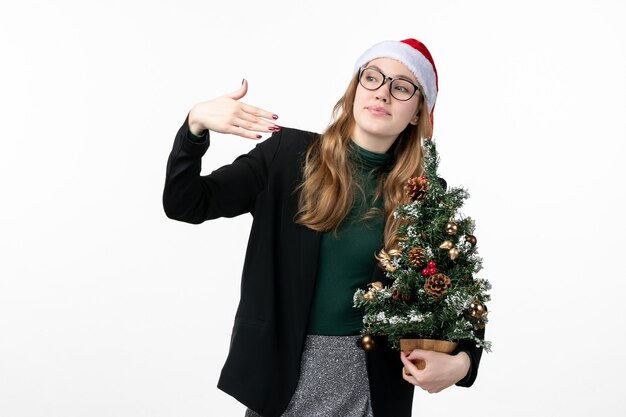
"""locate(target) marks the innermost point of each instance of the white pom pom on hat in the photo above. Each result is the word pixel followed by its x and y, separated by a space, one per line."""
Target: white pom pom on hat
pixel 417 59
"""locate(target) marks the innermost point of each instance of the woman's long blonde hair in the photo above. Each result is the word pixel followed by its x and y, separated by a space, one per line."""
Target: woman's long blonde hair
pixel 327 188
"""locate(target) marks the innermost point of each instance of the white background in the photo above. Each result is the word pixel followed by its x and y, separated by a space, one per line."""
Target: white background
pixel 108 308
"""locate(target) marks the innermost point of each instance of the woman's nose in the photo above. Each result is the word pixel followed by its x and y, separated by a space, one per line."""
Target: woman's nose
pixel 383 93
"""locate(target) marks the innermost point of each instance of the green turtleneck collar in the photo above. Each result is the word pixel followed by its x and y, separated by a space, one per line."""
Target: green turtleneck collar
pixel 369 160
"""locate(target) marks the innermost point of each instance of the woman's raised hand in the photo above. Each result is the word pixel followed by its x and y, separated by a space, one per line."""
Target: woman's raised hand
pixel 226 114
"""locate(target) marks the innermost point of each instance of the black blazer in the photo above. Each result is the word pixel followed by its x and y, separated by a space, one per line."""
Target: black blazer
pixel 279 271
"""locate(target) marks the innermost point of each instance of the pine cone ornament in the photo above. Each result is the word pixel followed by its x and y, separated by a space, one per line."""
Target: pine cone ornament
pixel 417 257
pixel 416 187
pixel 398 296
pixel 436 285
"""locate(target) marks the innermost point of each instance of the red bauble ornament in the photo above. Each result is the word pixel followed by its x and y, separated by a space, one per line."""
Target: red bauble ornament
pixel 431 264
pixel 432 271
pixel 425 271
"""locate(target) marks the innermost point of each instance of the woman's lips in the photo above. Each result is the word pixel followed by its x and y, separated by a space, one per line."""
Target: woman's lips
pixel 378 111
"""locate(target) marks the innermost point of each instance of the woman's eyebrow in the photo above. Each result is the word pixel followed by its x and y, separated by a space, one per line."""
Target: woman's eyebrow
pixel 404 77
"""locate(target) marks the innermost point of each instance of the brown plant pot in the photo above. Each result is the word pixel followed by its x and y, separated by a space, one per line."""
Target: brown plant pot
pixel 443 346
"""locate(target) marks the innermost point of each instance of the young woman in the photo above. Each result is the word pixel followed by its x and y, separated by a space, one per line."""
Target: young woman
pixel 323 206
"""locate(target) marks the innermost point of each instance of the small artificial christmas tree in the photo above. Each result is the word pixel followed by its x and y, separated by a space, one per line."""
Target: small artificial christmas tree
pixel 433 292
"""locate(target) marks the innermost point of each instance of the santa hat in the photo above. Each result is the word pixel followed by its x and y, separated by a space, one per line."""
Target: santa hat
pixel 417 59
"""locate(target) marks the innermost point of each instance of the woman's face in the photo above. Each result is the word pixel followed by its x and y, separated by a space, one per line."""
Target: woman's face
pixel 379 117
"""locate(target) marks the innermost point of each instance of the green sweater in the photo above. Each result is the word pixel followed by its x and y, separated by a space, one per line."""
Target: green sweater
pixel 347 259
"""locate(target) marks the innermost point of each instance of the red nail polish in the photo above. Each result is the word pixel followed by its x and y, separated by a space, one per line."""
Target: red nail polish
pixel 258 136
pixel 274 117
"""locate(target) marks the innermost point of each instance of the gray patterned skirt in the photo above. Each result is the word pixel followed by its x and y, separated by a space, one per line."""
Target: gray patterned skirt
pixel 333 380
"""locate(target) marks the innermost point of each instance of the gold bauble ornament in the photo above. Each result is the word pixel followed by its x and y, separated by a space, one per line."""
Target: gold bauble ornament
pixel 368 296
pixel 471 239
pixel 446 245
pixel 449 246
pixel 451 227
pixel 377 286
pixel 367 342
pixel 477 309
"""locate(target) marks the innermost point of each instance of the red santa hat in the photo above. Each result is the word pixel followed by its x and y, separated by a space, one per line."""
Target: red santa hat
pixel 417 59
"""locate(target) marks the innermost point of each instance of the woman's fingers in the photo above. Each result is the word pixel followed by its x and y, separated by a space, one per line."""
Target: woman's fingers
pixel 251 128
pixel 409 371
pixel 244 133
pixel 257 112
pixel 418 354
pixel 249 119
pixel 409 378
pixel 409 366
pixel 256 121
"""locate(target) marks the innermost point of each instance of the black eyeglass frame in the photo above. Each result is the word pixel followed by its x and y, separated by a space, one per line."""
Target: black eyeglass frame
pixel 391 80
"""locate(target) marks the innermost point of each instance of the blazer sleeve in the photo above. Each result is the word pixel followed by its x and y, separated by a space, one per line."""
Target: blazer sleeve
pixel 227 192
pixel 474 354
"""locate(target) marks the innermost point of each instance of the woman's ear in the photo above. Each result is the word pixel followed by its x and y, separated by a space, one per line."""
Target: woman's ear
pixel 415 119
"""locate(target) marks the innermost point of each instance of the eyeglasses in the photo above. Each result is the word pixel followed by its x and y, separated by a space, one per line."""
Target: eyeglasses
pixel 399 88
